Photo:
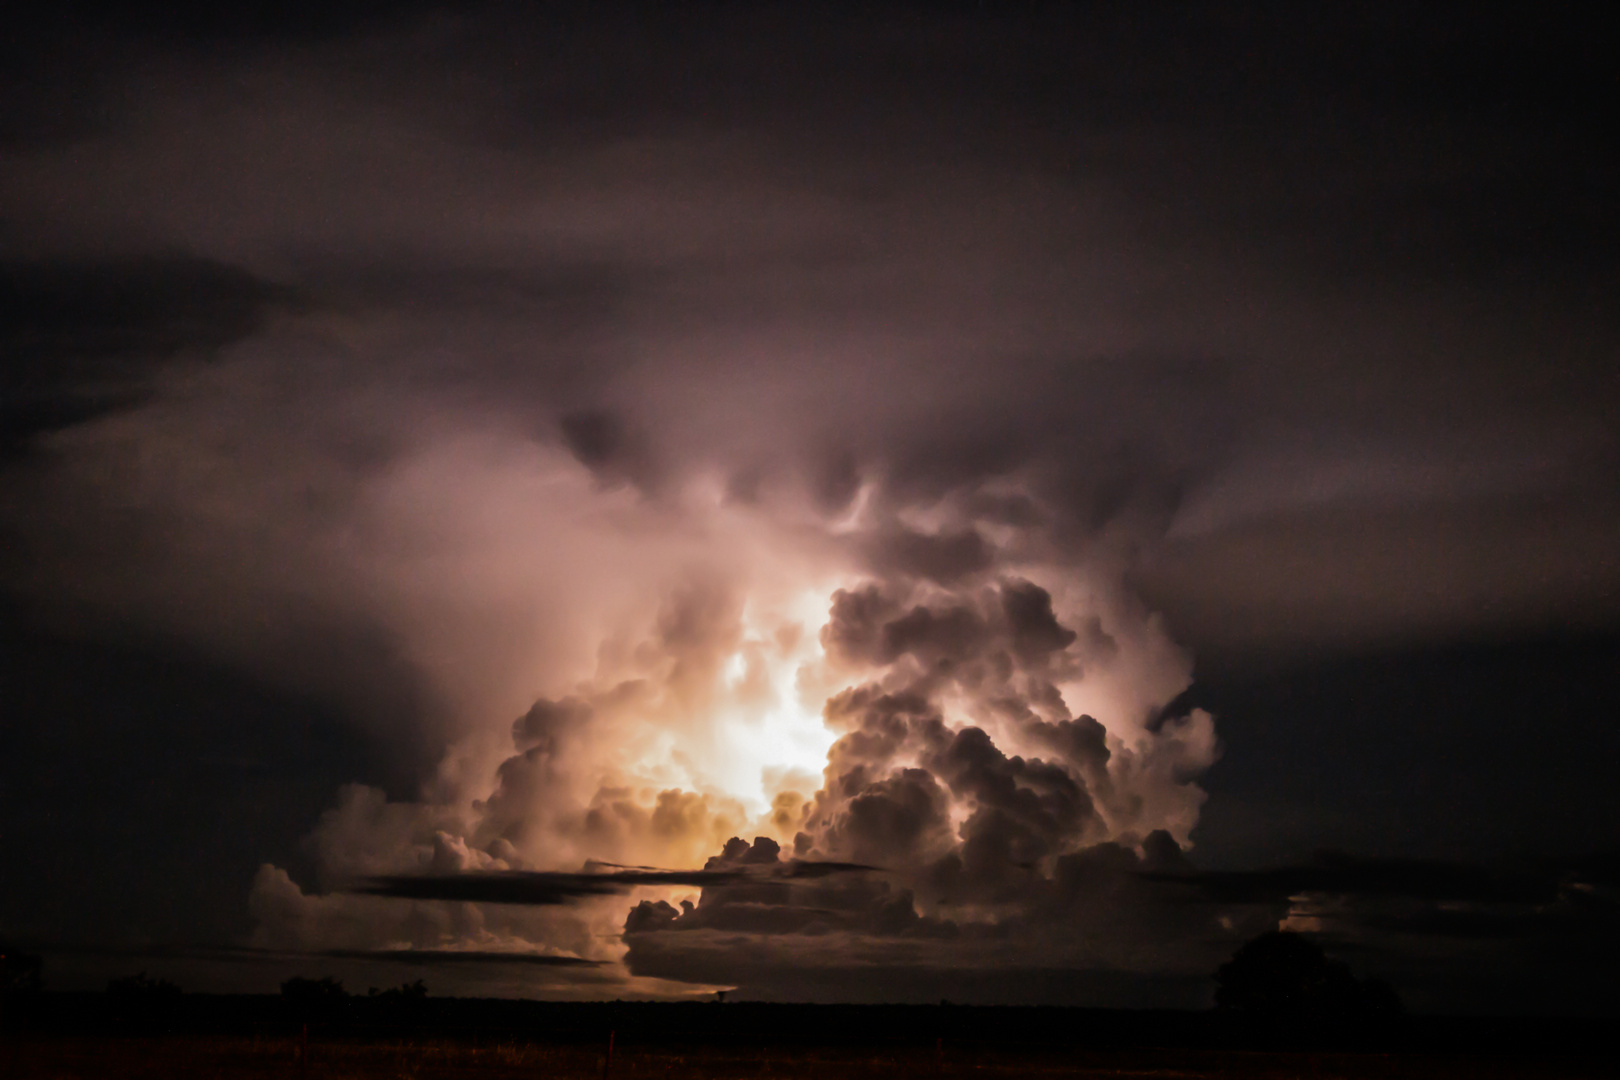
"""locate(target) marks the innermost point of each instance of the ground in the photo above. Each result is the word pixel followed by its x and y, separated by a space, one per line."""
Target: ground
pixel 176 1057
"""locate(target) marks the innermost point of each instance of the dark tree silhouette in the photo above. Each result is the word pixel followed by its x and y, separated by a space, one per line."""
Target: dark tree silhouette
pixel 1284 974
pixel 314 999
pixel 142 1000
pixel 19 971
pixel 300 989
pixel 411 991
pixel 142 988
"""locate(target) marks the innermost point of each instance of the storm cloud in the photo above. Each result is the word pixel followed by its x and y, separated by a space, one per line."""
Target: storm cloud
pixel 778 441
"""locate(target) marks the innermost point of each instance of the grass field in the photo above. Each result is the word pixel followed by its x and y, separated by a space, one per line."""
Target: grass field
pixel 59 1058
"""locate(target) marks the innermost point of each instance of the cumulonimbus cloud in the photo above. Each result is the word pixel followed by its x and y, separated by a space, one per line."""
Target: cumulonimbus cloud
pixel 637 488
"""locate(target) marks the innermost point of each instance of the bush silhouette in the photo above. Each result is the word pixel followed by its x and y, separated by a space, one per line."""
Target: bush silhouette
pixel 313 999
pixel 142 1000
pixel 1284 974
pixel 411 991
pixel 19 972
pixel 139 987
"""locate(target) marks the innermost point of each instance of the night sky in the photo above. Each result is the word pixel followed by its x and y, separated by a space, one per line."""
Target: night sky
pixel 997 502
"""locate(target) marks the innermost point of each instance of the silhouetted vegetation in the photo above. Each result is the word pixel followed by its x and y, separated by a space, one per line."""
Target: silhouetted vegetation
pixel 140 988
pixel 144 1003
pixel 746 1041
pixel 19 972
pixel 308 1000
pixel 411 991
pixel 405 1033
pixel 1284 974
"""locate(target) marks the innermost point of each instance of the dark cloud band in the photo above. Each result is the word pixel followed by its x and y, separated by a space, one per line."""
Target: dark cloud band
pixel 1415 879
pixel 549 889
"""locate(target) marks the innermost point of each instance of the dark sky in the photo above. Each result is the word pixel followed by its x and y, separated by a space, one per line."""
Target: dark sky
pixel 1035 452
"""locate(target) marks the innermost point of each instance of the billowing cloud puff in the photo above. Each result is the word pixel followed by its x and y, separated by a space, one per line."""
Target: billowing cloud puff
pixel 998 823
pixel 993 860
pixel 1095 921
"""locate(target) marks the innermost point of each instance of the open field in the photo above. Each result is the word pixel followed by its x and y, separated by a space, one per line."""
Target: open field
pixel 93 1036
pixel 91 1058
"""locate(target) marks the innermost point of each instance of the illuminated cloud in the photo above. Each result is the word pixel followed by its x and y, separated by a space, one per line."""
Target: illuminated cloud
pixel 640 448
